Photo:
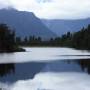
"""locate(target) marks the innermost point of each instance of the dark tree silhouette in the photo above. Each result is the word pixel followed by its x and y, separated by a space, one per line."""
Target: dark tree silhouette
pixel 79 40
pixel 6 69
pixel 7 39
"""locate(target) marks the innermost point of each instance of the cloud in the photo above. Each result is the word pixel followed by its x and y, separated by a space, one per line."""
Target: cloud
pixel 52 81
pixel 43 1
pixel 52 9
pixel 4 4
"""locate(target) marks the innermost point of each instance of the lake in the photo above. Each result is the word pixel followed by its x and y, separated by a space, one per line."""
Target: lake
pixel 45 69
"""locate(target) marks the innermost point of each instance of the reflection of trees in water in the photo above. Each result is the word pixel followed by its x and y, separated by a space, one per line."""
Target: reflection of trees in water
pixel 6 68
pixel 85 65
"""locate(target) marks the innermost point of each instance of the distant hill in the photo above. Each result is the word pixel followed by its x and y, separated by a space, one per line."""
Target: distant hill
pixel 25 23
pixel 62 26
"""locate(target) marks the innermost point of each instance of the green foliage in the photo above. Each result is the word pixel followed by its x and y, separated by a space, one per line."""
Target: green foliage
pixel 81 39
pixel 7 39
pixel 9 42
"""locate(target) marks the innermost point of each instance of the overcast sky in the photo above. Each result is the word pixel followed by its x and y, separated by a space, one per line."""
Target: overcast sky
pixel 52 9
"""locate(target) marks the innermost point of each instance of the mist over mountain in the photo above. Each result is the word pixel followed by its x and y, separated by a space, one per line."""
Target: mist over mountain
pixel 63 26
pixel 25 23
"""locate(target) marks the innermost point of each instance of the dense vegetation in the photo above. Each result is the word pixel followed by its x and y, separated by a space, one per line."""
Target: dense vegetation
pixel 7 39
pixel 9 42
pixel 79 40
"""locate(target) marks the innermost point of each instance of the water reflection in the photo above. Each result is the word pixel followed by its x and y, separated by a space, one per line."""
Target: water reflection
pixel 62 66
pixel 22 71
pixel 85 65
pixel 6 69
pixel 19 71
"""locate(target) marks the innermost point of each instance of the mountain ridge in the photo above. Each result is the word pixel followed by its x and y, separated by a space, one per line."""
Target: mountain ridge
pixel 62 26
pixel 25 23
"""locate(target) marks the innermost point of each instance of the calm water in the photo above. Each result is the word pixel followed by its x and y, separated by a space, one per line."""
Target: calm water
pixel 45 69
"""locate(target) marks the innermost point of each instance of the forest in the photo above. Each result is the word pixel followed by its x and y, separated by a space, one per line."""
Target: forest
pixel 78 40
pixel 9 41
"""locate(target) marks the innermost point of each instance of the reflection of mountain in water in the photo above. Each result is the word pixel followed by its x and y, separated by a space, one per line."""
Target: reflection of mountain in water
pixel 19 71
pixel 62 66
pixel 23 71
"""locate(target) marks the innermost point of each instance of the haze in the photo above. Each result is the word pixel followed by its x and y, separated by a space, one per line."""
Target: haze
pixel 51 9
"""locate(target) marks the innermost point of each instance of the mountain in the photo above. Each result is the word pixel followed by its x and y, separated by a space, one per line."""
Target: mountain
pixel 25 23
pixel 62 26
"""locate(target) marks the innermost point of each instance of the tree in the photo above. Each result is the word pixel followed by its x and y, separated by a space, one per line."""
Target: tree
pixel 7 40
pixel 25 40
pixel 18 40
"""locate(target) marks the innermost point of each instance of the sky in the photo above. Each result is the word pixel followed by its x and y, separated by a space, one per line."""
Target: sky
pixel 51 9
